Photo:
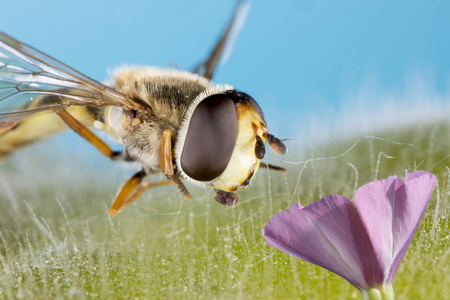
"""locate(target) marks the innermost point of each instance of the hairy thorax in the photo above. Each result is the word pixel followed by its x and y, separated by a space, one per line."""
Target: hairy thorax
pixel 166 94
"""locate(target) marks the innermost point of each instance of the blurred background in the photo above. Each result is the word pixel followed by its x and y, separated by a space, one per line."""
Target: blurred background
pixel 326 73
pixel 354 65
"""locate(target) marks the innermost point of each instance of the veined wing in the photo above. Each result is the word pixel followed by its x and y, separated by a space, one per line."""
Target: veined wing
pixel 32 82
pixel 222 49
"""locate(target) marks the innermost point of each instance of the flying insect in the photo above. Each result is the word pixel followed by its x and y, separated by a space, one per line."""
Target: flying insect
pixel 173 122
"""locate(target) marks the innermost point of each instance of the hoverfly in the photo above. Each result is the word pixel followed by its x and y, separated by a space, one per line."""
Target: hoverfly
pixel 172 122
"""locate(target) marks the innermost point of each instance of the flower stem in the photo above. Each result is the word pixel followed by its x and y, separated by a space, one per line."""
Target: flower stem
pixel 384 292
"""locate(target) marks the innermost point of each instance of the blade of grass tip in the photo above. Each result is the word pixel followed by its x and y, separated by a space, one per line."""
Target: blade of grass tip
pixel 355 186
pixel 431 143
pixel 88 238
pixel 319 158
pixel 440 161
pixel 435 221
pixel 372 160
pixel 115 242
pixel 294 268
pixel 243 239
pixel 60 248
pixel 5 246
pixel 237 229
pixel 38 223
pixel 228 227
pixel 103 268
pixel 250 199
pixel 50 234
pixel 287 194
pixel 317 178
pixel 291 201
pixel 32 254
pixel 208 266
pixel 324 158
pixel 229 255
pixel 190 272
pixel 268 271
pixel 66 219
pixel 4 263
pixel 21 259
pixel 388 140
pixel 176 216
pixel 416 167
pixel 447 188
pixel 6 279
pixel 173 234
pixel 242 279
pixel 269 191
pixel 191 226
pixel 381 153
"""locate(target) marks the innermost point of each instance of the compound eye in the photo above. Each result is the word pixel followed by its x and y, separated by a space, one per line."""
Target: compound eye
pixel 210 138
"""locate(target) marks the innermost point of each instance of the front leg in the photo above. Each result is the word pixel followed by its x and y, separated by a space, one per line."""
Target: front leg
pixel 88 135
pixel 138 183
pixel 132 190
pixel 92 138
pixel 165 158
pixel 166 163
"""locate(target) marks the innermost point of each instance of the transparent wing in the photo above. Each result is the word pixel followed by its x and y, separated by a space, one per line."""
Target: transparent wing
pixel 32 82
pixel 223 47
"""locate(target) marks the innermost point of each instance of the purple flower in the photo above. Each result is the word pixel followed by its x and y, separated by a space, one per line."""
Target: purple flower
pixel 362 241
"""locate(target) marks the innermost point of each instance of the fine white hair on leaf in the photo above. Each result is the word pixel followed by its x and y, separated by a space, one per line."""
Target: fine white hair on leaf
pixel 239 222
pixel 311 160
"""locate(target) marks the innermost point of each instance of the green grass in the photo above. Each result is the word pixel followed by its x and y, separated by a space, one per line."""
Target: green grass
pixel 57 242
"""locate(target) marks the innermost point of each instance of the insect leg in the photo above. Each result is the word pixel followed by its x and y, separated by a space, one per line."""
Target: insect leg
pixel 6 126
pixel 87 134
pixel 165 159
pixel 166 163
pixel 263 165
pixel 176 179
pixel 132 190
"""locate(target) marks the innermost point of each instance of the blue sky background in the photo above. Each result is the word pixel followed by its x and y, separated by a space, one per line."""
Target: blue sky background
pixel 296 58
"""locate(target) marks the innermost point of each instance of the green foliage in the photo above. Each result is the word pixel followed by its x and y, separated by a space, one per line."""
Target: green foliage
pixel 57 242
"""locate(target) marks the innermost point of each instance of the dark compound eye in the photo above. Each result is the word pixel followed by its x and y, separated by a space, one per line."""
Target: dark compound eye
pixel 210 138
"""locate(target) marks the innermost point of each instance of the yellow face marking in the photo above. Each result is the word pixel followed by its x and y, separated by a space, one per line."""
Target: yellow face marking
pixel 243 162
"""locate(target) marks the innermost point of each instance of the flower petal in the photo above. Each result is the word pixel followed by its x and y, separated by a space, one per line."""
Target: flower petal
pixel 328 233
pixel 391 211
pixel 362 241
pixel 375 202
pixel 419 186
